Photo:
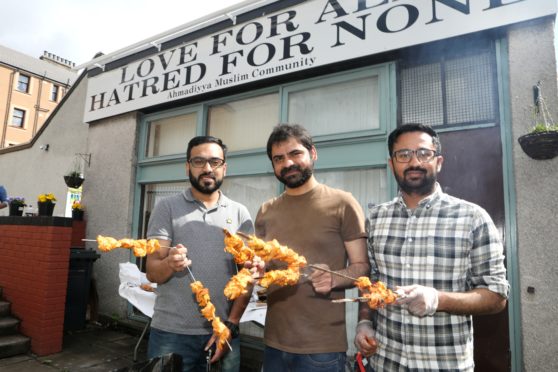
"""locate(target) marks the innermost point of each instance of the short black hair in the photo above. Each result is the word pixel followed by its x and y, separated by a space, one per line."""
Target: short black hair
pixel 414 127
pixel 282 132
pixel 200 140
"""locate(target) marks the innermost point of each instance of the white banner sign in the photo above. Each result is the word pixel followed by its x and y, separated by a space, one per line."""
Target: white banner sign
pixel 313 33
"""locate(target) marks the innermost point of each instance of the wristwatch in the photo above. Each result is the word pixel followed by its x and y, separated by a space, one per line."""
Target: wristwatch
pixel 235 330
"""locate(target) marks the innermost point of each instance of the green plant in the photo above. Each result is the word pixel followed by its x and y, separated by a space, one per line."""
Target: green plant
pixel 75 171
pixel 543 128
pixel 16 200
pixel 541 117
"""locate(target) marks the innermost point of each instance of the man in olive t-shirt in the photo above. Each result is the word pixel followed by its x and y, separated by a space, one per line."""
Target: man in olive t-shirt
pixel 304 330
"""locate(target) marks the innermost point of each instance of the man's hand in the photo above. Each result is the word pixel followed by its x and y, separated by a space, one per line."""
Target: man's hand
pixel 256 267
pixel 177 258
pixel 364 338
pixel 322 281
pixel 217 353
pixel 420 301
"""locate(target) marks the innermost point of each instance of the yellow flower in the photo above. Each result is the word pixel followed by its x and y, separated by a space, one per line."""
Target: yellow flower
pixel 47 198
pixel 77 206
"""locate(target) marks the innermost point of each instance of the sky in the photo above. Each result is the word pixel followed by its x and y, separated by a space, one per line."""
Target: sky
pixel 77 29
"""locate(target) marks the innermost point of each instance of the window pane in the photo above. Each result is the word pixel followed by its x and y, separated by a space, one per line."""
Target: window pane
pixel 457 91
pixel 54 93
pixel 23 83
pixel 18 118
pixel 232 121
pixel 336 108
pixel 421 95
pixel 470 89
pixel 171 135
pixel 251 191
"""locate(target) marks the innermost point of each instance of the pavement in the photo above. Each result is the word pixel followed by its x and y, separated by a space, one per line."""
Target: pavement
pixel 95 348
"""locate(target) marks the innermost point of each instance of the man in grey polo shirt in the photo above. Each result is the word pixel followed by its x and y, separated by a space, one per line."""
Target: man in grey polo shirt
pixel 192 223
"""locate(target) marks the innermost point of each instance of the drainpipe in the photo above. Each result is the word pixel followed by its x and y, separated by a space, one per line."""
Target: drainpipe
pixel 38 107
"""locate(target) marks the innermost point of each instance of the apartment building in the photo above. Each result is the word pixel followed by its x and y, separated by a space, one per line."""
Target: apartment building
pixel 30 89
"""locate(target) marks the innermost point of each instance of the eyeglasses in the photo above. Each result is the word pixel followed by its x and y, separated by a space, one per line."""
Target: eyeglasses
pixel 199 162
pixel 423 155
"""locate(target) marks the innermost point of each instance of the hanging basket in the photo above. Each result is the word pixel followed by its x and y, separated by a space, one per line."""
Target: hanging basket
pixel 540 146
pixel 73 182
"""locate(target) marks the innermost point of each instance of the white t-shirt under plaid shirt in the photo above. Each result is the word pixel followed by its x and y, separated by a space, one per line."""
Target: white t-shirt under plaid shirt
pixel 445 243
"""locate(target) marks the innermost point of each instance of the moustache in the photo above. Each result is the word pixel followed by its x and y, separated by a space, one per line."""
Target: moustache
pixel 284 171
pixel 207 174
pixel 414 169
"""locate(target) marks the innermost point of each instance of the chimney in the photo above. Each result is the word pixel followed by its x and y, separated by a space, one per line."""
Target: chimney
pixel 59 61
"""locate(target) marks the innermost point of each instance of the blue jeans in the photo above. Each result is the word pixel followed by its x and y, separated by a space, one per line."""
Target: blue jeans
pixel 280 361
pixel 191 348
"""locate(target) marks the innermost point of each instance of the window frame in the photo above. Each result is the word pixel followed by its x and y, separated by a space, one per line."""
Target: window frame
pixel 54 91
pixel 339 151
pixel 432 54
pixel 22 118
pixel 27 84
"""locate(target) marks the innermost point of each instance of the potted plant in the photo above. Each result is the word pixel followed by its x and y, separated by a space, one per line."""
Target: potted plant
pixel 542 141
pixel 46 203
pixel 16 205
pixel 77 210
pixel 74 177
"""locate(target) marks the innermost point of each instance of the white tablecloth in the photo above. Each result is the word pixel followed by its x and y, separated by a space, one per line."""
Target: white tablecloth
pixel 130 280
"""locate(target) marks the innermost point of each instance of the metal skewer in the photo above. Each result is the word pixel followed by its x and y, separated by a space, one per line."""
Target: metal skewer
pixel 245 236
pixel 332 272
pixel 95 241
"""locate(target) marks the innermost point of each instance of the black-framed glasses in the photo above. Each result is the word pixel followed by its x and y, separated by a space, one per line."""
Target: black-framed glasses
pixel 423 155
pixel 199 162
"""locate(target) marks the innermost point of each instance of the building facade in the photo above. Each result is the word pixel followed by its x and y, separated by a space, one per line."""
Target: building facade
pixel 30 89
pixel 350 72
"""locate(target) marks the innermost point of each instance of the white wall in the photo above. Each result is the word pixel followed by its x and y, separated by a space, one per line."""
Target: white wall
pixel 532 59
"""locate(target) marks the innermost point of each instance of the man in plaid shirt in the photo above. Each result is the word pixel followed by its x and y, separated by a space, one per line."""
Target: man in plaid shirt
pixel 443 253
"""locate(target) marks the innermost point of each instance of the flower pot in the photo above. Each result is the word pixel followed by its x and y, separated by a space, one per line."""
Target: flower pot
pixel 73 182
pixel 46 209
pixel 16 209
pixel 77 214
pixel 540 146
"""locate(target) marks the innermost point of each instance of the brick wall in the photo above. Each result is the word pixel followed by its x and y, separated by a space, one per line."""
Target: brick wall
pixel 35 255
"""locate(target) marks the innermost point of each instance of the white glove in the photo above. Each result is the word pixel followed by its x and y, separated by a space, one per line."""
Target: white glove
pixel 364 338
pixel 420 301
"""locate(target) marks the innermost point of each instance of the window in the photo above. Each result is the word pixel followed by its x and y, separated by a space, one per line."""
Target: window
pixel 54 93
pixel 170 135
pixel 457 90
pixel 23 83
pixel 341 106
pixel 18 118
pixel 234 120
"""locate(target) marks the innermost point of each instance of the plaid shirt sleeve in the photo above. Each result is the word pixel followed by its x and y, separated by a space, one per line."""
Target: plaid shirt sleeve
pixel 487 258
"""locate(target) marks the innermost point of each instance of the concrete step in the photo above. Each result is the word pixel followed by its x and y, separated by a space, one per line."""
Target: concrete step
pixel 5 307
pixel 8 325
pixel 14 345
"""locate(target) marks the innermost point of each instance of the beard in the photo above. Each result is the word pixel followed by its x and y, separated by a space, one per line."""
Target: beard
pixel 294 180
pixel 422 186
pixel 205 187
